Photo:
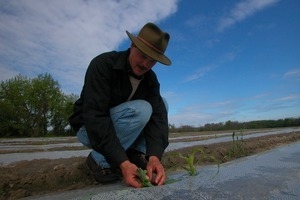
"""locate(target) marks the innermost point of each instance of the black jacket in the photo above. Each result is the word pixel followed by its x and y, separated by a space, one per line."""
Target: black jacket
pixel 107 85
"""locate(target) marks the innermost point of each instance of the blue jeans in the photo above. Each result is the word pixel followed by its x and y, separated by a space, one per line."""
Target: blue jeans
pixel 129 120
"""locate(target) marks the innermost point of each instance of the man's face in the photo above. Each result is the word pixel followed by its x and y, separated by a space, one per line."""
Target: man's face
pixel 139 62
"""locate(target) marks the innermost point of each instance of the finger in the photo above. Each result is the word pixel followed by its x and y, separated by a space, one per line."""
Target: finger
pixel 160 178
pixel 134 183
pixel 149 173
pixel 160 181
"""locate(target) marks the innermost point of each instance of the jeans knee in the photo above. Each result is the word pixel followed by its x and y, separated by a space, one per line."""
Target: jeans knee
pixel 144 110
pixel 82 137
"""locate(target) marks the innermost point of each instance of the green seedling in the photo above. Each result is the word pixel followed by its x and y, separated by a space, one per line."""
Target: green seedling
pixel 190 168
pixel 204 155
pixel 146 182
pixel 218 163
pixel 143 178
pixel 237 148
pixel 170 181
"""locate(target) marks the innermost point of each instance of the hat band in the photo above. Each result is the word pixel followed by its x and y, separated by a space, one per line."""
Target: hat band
pixel 150 45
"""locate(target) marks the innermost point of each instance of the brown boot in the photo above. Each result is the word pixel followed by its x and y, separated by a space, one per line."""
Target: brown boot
pixel 100 174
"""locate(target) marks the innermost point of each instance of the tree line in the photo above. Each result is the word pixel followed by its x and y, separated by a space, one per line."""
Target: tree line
pixel 235 125
pixel 34 107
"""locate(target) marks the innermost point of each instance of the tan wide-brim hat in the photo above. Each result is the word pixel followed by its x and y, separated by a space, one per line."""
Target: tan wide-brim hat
pixel 153 42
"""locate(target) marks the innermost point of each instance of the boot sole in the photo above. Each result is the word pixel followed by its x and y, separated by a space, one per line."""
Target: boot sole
pixel 109 179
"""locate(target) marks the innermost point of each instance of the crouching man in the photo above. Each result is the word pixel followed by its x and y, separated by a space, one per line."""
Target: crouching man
pixel 120 113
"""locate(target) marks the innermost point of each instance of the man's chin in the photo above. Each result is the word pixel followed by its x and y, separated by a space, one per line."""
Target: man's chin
pixel 139 73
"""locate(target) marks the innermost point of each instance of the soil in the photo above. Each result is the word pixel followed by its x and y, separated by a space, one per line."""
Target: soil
pixel 37 177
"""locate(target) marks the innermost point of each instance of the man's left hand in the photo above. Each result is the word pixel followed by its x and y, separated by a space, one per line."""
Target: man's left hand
pixel 154 165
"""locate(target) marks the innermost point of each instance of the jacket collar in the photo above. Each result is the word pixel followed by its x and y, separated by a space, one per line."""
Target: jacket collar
pixel 122 60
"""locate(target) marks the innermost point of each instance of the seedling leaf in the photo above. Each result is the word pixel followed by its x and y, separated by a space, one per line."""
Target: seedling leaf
pixel 143 178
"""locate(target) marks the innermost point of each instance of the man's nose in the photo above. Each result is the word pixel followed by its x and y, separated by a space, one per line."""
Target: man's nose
pixel 148 63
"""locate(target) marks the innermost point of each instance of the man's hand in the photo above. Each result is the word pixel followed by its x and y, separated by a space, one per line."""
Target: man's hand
pixel 130 174
pixel 154 165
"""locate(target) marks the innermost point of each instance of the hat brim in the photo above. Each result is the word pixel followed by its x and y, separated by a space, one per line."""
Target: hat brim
pixel 149 51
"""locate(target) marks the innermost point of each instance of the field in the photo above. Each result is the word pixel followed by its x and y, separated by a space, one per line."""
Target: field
pixel 41 176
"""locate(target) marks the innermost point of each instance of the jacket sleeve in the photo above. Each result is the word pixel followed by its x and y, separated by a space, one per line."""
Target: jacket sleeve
pixel 96 116
pixel 156 131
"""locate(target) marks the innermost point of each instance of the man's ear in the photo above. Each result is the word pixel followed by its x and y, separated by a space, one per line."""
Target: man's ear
pixel 131 46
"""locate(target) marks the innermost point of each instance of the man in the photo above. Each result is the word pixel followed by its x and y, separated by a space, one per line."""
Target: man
pixel 120 113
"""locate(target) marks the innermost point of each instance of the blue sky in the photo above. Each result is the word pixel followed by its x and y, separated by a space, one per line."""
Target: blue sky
pixel 233 60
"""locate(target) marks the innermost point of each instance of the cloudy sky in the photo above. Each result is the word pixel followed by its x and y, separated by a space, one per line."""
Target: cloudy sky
pixel 233 60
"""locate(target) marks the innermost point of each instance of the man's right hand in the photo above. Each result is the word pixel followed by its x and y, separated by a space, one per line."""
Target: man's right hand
pixel 130 174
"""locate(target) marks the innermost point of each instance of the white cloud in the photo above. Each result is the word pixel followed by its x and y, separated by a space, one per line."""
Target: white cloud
pixel 262 106
pixel 288 98
pixel 192 119
pixel 199 113
pixel 293 74
pixel 61 36
pixel 259 96
pixel 204 70
pixel 243 10
pixel 200 72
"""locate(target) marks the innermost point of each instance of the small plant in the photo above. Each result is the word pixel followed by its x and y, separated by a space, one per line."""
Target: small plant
pixel 204 156
pixel 190 168
pixel 237 148
pixel 144 178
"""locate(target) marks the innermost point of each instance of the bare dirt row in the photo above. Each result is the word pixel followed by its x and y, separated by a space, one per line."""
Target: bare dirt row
pixel 36 177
